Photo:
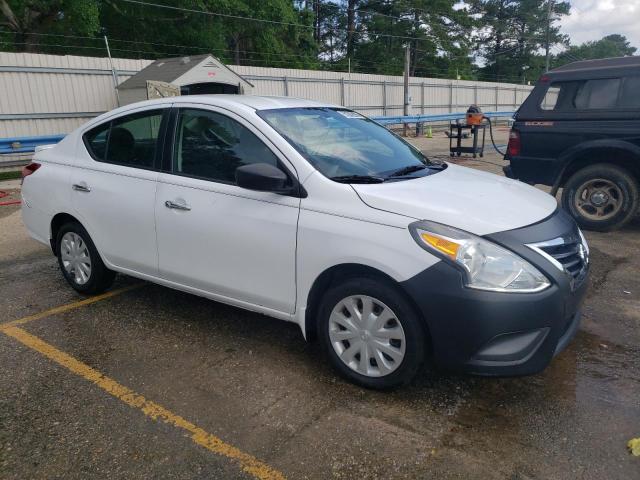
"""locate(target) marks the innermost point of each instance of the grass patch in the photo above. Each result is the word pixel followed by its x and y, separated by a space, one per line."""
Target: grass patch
pixel 10 175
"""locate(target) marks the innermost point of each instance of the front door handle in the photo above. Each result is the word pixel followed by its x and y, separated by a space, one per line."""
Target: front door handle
pixel 80 187
pixel 177 206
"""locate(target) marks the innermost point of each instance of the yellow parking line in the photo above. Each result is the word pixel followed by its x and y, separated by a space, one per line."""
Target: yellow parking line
pixel 69 306
pixel 248 463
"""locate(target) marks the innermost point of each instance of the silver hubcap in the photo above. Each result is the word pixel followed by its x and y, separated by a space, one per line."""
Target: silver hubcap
pixel 367 336
pixel 75 257
pixel 598 199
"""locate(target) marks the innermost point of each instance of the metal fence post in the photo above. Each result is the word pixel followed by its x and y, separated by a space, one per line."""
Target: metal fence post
pixel 286 86
pixel 384 97
pixel 475 94
pixel 422 98
pixel 515 97
pixel 451 97
pixel 342 91
pixel 497 97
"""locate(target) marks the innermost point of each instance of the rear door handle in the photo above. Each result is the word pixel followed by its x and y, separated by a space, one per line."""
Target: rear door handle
pixel 80 187
pixel 177 206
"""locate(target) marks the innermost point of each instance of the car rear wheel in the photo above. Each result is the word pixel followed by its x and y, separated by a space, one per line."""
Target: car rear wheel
pixel 80 262
pixel 601 197
pixel 371 333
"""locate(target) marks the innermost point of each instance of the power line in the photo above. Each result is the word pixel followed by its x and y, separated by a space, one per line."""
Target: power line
pixel 261 20
pixel 431 71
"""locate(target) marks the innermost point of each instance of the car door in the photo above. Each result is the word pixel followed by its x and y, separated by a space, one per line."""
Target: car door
pixel 114 188
pixel 238 245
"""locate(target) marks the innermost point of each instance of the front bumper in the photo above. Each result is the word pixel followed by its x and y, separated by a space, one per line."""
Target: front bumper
pixel 492 333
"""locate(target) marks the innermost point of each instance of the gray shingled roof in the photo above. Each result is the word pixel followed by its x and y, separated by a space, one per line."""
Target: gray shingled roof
pixel 163 70
pixel 616 62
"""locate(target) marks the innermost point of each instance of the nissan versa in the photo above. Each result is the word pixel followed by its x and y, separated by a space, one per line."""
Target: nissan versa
pixel 314 214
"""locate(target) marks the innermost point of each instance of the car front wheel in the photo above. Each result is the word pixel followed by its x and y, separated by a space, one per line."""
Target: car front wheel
pixel 80 262
pixel 372 334
pixel 601 197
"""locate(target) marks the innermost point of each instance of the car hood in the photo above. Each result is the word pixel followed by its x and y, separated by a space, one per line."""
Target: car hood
pixel 478 202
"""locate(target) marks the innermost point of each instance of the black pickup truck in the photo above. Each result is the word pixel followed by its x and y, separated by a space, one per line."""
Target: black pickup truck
pixel 579 130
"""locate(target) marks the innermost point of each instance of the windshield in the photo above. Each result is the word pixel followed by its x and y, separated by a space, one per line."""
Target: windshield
pixel 344 145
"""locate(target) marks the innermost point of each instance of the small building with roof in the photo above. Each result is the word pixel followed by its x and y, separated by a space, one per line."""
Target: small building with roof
pixel 189 75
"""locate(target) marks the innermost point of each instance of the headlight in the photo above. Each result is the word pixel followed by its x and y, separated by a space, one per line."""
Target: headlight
pixel 486 265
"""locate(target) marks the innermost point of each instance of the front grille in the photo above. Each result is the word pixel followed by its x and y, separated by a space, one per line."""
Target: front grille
pixel 570 256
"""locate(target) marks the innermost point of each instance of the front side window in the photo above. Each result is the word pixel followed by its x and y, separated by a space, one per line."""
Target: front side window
pixel 130 140
pixel 342 144
pixel 211 146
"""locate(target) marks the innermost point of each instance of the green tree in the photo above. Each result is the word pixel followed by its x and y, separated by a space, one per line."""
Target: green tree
pixel 283 37
pixel 511 33
pixel 436 34
pixel 25 21
pixel 610 46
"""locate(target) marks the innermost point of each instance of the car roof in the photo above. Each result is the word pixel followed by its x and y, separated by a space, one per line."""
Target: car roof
pixel 253 102
pixel 598 64
pixel 258 102
pixel 248 103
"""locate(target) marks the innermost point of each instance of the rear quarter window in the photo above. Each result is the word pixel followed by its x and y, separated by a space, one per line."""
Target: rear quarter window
pixel 96 141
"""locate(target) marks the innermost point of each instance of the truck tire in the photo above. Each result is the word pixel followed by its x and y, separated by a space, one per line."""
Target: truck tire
pixel 601 197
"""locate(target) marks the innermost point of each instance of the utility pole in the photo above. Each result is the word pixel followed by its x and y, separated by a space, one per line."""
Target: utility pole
pixel 113 71
pixel 349 84
pixel 407 53
pixel 549 8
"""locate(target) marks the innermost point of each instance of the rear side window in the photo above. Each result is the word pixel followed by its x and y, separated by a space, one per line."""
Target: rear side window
pixel 550 99
pixel 597 94
pixel 211 146
pixel 630 95
pixel 581 95
pixel 560 96
pixel 131 140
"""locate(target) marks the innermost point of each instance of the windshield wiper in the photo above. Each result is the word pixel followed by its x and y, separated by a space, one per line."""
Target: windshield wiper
pixel 437 166
pixel 357 179
pixel 407 170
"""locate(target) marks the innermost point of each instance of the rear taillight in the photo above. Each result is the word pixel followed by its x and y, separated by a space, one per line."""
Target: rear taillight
pixel 513 148
pixel 29 169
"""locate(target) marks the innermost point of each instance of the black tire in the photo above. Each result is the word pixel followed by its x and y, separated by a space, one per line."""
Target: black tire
pixel 626 184
pixel 406 315
pixel 100 278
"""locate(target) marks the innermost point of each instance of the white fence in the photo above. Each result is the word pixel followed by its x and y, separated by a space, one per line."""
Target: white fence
pixel 50 94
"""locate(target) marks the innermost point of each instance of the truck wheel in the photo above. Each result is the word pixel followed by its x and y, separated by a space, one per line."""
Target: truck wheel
pixel 601 197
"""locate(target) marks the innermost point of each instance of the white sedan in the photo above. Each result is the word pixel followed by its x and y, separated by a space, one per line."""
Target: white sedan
pixel 314 214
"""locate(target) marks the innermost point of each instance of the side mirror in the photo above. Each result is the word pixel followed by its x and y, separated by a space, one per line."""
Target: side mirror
pixel 263 177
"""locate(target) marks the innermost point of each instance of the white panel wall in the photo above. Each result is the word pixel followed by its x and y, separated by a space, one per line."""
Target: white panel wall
pixel 57 85
pixel 81 87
